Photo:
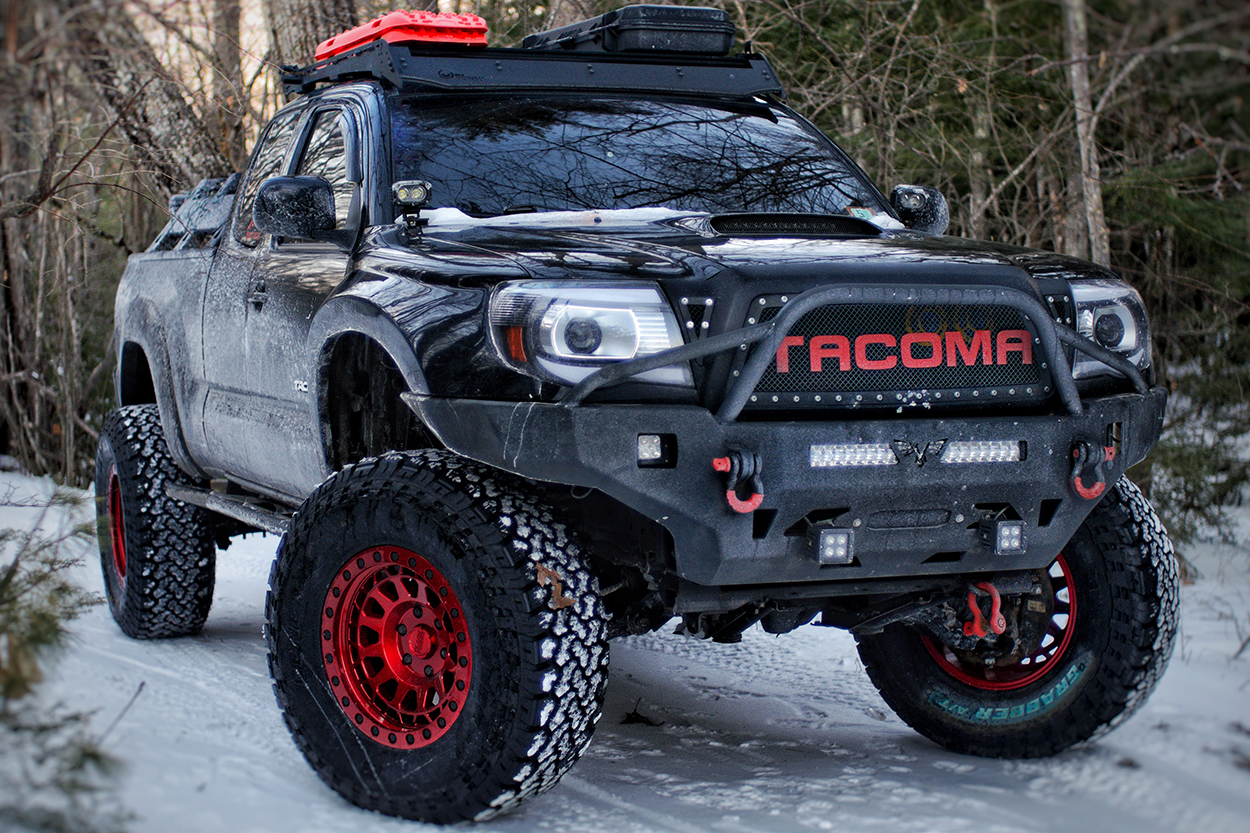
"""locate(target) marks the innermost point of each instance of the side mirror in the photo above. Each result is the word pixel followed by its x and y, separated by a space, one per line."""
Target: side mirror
pixel 301 207
pixel 921 208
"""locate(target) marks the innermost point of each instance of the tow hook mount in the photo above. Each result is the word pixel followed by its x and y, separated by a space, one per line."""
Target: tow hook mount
pixel 1090 461
pixel 978 626
pixel 743 468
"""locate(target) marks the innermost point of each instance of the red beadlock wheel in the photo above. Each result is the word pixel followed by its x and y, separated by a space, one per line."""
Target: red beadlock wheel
pixel 437 643
pixel 397 652
pixel 1083 649
pixel 1037 662
pixel 117 526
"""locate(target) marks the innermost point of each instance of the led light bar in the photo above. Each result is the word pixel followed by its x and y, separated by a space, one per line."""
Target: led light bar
pixel 983 451
pixel 852 454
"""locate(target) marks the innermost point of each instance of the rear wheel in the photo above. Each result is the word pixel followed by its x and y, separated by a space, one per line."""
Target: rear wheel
pixel 437 644
pixel 1080 655
pixel 158 554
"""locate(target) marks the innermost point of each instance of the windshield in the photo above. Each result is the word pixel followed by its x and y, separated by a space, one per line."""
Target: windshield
pixel 491 156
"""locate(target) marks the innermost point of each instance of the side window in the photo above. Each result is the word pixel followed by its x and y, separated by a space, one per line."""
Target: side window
pixel 266 163
pixel 325 155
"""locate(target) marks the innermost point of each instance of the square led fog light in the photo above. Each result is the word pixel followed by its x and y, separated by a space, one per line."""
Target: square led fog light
pixel 832 546
pixel 657 451
pixel 1003 537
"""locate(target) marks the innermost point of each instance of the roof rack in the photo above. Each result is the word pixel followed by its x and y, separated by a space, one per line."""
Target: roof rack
pixel 416 68
pixel 658 49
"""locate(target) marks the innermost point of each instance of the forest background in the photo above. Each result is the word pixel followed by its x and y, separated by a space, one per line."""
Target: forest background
pixel 1116 130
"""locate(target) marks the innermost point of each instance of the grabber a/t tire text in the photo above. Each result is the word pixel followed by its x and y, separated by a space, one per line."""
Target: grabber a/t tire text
pixel 1116 592
pixel 437 644
pixel 158 554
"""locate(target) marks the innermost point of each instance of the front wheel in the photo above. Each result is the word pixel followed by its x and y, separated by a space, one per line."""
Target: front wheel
pixel 437 644
pixel 1081 654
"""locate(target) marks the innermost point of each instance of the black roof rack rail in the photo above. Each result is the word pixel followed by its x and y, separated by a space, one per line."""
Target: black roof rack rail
pixel 438 68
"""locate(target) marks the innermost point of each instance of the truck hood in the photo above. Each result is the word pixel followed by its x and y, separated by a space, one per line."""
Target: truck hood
pixel 661 244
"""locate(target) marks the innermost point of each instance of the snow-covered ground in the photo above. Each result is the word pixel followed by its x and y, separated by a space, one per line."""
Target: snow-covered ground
pixel 774 734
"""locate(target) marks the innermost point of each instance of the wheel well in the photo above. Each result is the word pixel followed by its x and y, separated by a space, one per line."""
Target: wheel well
pixel 137 387
pixel 362 413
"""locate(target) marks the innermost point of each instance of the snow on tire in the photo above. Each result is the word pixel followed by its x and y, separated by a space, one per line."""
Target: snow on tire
pixel 158 554
pixel 438 646
pixel 1112 625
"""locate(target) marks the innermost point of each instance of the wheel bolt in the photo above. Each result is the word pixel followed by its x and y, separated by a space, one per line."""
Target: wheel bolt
pixel 403 629
pixel 429 671
pixel 407 659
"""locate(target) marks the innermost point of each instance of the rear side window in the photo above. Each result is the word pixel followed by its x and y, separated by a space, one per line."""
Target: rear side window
pixel 266 163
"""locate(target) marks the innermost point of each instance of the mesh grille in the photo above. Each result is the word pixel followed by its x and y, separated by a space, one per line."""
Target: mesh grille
pixel 962 345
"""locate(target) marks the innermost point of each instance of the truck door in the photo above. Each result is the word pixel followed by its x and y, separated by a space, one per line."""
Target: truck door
pixel 261 416
pixel 226 445
pixel 293 279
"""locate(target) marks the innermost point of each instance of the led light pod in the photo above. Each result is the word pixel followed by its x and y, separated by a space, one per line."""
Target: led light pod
pixel 1003 537
pixel 832 546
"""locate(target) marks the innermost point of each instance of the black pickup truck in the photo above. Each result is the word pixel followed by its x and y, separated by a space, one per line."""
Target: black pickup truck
pixel 524 349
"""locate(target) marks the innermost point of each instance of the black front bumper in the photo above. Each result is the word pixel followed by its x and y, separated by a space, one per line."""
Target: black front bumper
pixel 918 516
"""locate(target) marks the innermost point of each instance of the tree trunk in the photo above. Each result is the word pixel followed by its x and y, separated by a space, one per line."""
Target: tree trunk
pixel 1091 178
pixel 167 136
pixel 979 174
pixel 227 119
pixel 297 26
pixel 563 12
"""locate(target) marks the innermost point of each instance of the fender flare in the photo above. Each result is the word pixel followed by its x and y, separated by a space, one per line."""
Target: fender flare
pixel 144 328
pixel 354 315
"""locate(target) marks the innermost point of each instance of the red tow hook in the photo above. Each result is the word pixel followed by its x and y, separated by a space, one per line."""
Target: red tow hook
pixel 997 622
pixel 1091 459
pixel 743 468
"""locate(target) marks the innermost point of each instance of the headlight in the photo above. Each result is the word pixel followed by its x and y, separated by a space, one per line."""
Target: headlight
pixel 564 331
pixel 1110 314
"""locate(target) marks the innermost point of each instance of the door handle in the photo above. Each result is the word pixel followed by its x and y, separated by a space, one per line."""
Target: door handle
pixel 258 294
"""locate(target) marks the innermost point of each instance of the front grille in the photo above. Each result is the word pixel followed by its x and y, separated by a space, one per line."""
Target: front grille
pixel 860 355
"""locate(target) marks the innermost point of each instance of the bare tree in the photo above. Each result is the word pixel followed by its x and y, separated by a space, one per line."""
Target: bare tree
pixel 164 131
pixel 226 120
pixel 1077 38
pixel 297 26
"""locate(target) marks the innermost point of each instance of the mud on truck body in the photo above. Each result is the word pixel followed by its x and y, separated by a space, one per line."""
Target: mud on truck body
pixel 520 350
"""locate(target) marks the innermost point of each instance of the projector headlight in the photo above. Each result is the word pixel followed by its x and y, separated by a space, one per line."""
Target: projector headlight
pixel 563 331
pixel 1111 314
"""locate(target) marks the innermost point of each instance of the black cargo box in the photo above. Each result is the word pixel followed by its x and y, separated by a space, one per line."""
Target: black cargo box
pixel 643 29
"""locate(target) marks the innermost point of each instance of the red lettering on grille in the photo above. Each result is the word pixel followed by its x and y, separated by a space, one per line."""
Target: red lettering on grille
pixel 957 348
pixel 984 349
pixel 783 352
pixel 909 357
pixel 1015 341
pixel 861 351
pixel 830 347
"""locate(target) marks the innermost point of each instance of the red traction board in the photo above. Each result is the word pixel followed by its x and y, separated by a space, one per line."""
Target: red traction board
pixel 408 27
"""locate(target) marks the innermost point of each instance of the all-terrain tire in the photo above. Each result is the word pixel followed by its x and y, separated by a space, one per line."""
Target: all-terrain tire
pixel 437 644
pixel 1122 589
pixel 158 554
